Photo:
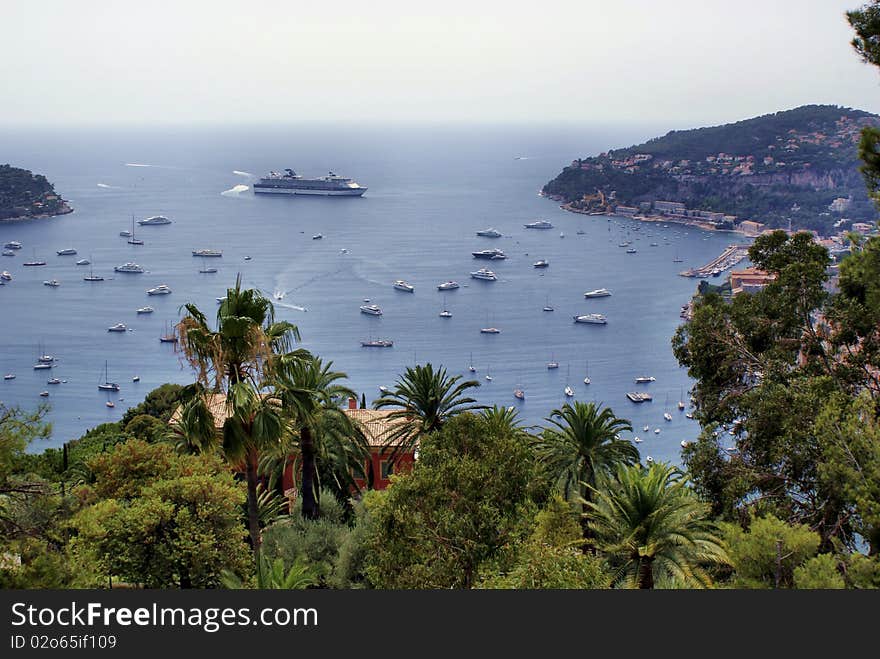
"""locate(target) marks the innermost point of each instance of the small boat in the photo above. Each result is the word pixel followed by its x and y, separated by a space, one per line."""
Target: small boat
pixel 484 274
pixel 538 224
pixel 471 366
pixel 168 337
pixel 383 389
pixel 639 396
pixel 12 244
pixel 684 443
pixel 667 416
pixel 547 307
pixel 447 286
pixel 489 233
pixel 66 252
pixel 631 250
pixel 591 319
pixel 42 366
pixel 540 264
pixel 637 439
pixel 401 285
pixel 656 431
pixel 44 394
pixel 52 282
pixel 646 428
pixel 83 262
pixel 490 330
pixel 568 391
pixel 207 271
pixel 125 234
pixel 587 379
pixel 154 220
pixel 9 376
pixel 371 309
pixel 110 403
pixel 146 310
pixel 689 415
pixel 552 363
pixel 488 376
pixel 247 258
pixel 599 292
pixel 580 232
pixel 378 343
pixel 134 241
pixel 5 275
pixel 161 289
pixel 216 253
pixel 561 234
pixel 118 327
pixel 34 262
pixel 317 236
pixel 655 245
pixel 649 459
pixel 645 378
pixel 53 381
pixel 519 394
pixel 220 300
pixel 446 313
pixel 8 252
pixel 136 378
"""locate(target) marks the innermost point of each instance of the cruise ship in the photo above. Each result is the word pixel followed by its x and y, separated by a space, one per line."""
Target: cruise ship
pixel 290 182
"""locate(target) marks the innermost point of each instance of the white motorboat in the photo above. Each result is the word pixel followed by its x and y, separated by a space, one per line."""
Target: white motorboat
pixel 42 366
pixel 639 397
pixel 568 391
pixel 215 253
pixel 8 252
pixel 66 252
pixel 377 343
pixel 54 283
pixel 146 310
pixel 591 318
pixel 667 416
pixel 656 431
pixel 402 285
pixel 540 264
pixel 447 286
pixel 637 439
pixel 129 267
pixel 125 234
pixel 484 274
pixel 645 378
pixel 44 394
pixel 446 314
pixel 161 289
pixel 136 378
pixel 539 224
pixel 317 236
pixel 118 327
pixel 489 233
pixel 9 376
pixel 207 271
pixel 154 220
pixel 371 309
pixel 83 262
pixel 12 244
pixel 53 381
pixel 495 254
pixel 599 292
pixel 490 330
pixel 5 276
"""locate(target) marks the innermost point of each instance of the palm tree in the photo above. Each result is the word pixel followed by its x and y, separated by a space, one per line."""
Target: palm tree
pixel 426 400
pixel 236 360
pixel 583 445
pixel 503 420
pixel 309 394
pixel 651 525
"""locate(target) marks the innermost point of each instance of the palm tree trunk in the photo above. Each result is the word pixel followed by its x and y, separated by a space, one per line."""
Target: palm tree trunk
pixel 646 573
pixel 309 502
pixel 252 506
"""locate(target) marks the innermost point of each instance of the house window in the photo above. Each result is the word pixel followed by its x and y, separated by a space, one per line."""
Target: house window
pixel 386 468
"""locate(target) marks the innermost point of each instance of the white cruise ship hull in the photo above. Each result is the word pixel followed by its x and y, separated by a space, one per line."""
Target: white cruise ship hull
pixel 351 192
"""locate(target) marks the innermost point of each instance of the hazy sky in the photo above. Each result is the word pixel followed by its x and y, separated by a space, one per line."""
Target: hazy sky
pixel 685 62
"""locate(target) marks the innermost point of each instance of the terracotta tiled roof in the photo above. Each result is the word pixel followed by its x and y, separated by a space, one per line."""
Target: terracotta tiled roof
pixel 376 424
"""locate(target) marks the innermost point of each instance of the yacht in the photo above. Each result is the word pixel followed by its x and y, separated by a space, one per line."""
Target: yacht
pixel 83 262
pixel 484 273
pixel 53 381
pixel 207 252
pixel 118 327
pixel 46 359
pixel 689 415
pixel 42 366
pixel 35 261
pixel 649 459
pixel 378 343
pixel 489 233
pixel 446 314
pixel 547 307
pixel 125 233
pixel 169 336
pixel 645 378
pixel 66 252
pixel 656 431
pixel 44 394
pixel 383 389
pixel 154 220
pixel 447 286
pixel 161 289
pixel 8 252
pixel 134 241
pixel 5 275
pixel 639 396
pixel 207 271
pixel 12 244
pixel 490 330
pixel 371 309
pixel 540 264
pixel 129 267
pixel 599 292
pixel 9 376
pixel 52 282
pixel 646 428
pixel 539 224
pixel 591 318
pixel 146 310
pixel 471 367
pixel 401 285
pixel 495 254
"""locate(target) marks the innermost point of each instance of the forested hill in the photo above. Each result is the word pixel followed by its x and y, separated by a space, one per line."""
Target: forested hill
pixel 24 194
pixel 788 165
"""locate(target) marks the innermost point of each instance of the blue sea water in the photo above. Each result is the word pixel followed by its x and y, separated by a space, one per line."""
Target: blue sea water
pixel 430 189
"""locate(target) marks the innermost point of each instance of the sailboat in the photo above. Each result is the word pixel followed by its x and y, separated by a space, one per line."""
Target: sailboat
pixel 666 414
pixel 552 363
pixel 681 399
pixel 92 276
pixel 107 385
pixel 209 269
pixel 569 392
pixel 131 239
pixel 445 313
pixel 677 258
pixel 488 376
pixel 168 336
pixel 547 305
pixel 587 379
pixel 471 367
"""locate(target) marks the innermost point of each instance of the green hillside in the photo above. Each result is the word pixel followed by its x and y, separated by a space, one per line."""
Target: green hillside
pixel 24 194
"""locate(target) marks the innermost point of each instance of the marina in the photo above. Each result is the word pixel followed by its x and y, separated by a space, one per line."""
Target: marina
pixel 732 255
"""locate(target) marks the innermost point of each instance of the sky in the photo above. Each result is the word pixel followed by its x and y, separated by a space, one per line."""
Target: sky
pixel 682 62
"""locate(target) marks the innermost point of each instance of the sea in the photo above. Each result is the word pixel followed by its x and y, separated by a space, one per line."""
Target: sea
pixel 430 189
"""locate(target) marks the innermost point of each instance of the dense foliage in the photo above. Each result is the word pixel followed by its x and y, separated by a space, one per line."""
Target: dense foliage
pixel 24 194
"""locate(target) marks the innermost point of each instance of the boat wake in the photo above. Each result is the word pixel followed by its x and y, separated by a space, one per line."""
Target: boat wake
pixel 295 307
pixel 240 173
pixel 235 190
pixel 138 164
pixel 109 187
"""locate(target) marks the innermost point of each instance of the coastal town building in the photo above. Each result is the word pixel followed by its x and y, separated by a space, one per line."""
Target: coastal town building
pixel 751 228
pixel 863 227
pixel 749 280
